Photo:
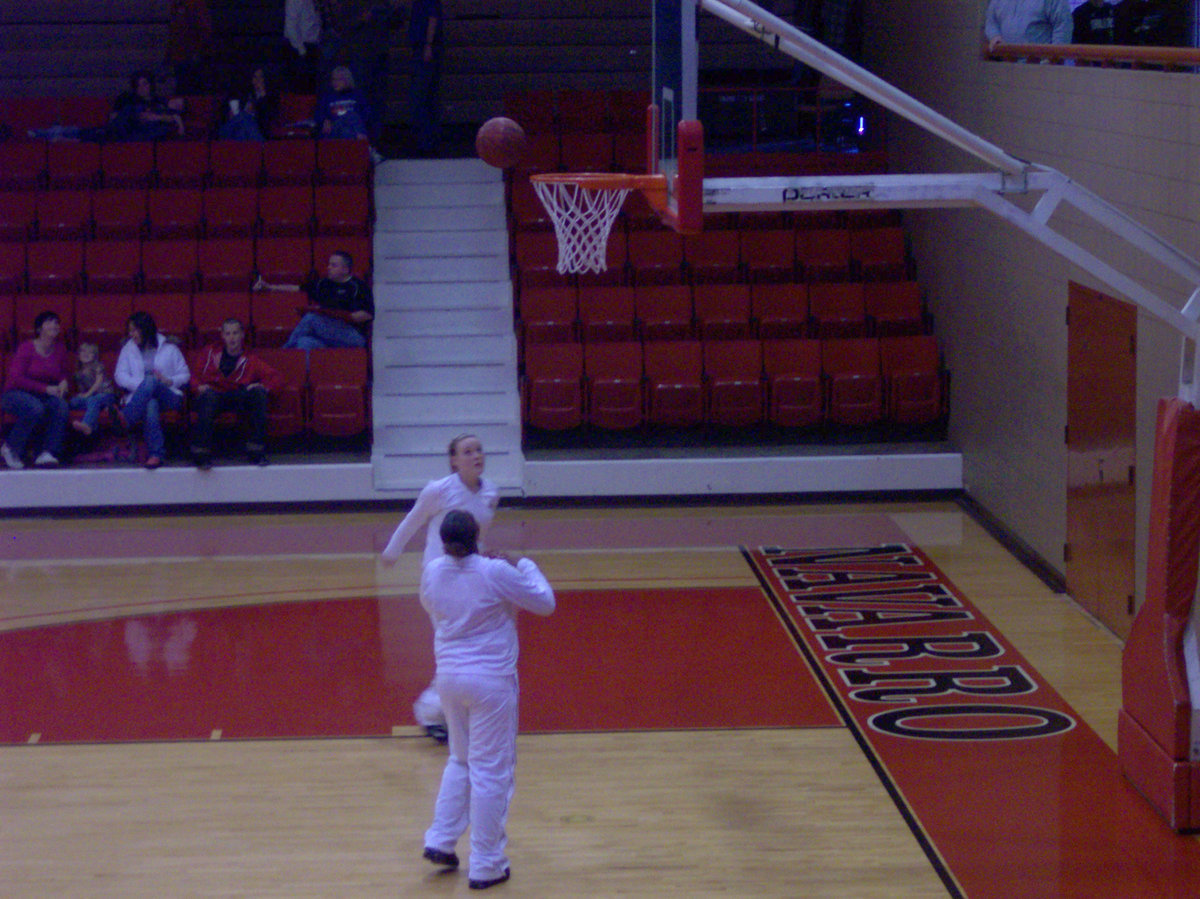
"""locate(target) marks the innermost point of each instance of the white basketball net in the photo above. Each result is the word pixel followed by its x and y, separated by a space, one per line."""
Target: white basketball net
pixel 583 218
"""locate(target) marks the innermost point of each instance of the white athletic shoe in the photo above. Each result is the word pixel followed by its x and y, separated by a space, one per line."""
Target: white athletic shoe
pixel 45 460
pixel 11 459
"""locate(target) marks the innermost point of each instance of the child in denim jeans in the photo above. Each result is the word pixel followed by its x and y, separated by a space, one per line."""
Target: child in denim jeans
pixel 94 389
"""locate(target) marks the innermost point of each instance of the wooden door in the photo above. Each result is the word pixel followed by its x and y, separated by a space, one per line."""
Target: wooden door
pixel 1101 422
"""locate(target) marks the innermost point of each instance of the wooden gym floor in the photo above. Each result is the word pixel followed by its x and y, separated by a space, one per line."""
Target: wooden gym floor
pixel 867 700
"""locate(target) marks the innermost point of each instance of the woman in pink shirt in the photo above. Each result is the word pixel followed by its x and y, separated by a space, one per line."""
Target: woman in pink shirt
pixel 35 394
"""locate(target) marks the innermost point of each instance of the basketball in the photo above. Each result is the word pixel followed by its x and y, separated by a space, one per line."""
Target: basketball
pixel 500 142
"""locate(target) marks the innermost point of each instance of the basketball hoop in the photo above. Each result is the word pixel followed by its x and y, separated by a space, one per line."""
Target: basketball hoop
pixel 583 207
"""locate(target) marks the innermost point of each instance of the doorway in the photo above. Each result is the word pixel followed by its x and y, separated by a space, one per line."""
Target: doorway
pixel 1101 433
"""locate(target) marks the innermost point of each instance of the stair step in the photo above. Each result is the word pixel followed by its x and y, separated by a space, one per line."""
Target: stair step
pixel 445 244
pixel 440 296
pixel 434 439
pixel 446 171
pixel 471 268
pixel 438 323
pixel 398 220
pixel 393 378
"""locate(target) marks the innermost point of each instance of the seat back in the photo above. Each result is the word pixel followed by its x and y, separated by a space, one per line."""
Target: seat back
pixel 664 312
pixel 548 315
pixel 235 163
pixel 175 213
pixel 119 213
pixel 113 266
pixel 837 309
pixel 722 311
pixel 182 163
pixel 606 313
pixel 779 310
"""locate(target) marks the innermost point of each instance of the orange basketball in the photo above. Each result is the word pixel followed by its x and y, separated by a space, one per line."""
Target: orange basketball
pixel 500 142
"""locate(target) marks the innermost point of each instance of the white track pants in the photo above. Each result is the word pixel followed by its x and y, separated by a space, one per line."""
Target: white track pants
pixel 477 785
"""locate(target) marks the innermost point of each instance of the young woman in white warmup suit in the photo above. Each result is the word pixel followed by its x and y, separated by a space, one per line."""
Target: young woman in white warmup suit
pixel 464 488
pixel 473 602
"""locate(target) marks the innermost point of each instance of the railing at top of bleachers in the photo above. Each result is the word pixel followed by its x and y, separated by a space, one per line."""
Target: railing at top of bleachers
pixel 1171 59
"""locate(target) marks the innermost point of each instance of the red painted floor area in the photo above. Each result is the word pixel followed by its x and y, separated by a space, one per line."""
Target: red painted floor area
pixel 1008 789
pixel 605 660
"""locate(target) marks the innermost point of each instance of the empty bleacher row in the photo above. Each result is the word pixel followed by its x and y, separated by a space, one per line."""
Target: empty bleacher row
pixel 785 382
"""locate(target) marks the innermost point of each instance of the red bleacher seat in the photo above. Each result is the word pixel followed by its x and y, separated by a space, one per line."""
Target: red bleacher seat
pixel 169 266
pixel 6 326
pixel 211 309
pixel 226 263
pixel 286 414
pixel 182 163
pixel 912 378
pixel 733 379
pixel 274 316
pixel 343 161
pixel 55 266
pixel 853 388
pixel 342 209
pixel 664 312
pixel 712 256
pixel 235 163
pixel 823 254
pixel 534 110
pixel 606 313
pixel 586 151
pixel 879 254
pixel 72 164
pixel 18 215
pixel 536 256
pixel 793 374
pixel 674 382
pixel 230 212
pixel 13 266
pixel 289 162
pixel 837 309
pixel 127 164
pixel 894 307
pixel 655 256
pixel 582 109
pixel 552 384
pixel 627 112
pixel 286 260
pixel 119 213
pixel 542 154
pixel 769 255
pixel 779 310
pixel 101 318
pixel 285 211
pixel 199 115
pixel 548 315
pixel 113 266
pixel 629 150
pixel 175 213
pixel 528 213
pixel 338 391
pixel 295 116
pixel 64 215
pixel 613 377
pixel 722 311
pixel 22 164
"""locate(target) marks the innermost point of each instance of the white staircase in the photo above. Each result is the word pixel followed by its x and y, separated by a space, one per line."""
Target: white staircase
pixel 444 351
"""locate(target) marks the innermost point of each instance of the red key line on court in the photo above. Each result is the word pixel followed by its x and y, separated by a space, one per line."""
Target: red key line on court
pixel 1007 790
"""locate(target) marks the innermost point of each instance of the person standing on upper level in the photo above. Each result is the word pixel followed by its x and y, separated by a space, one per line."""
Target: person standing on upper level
pixel 1027 22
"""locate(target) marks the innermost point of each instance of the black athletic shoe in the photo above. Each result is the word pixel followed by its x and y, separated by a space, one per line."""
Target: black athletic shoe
pixel 484 884
pixel 437 733
pixel 259 459
pixel 442 859
pixel 202 461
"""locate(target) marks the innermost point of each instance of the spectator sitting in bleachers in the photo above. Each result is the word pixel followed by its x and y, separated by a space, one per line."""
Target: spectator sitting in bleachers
pixel 139 113
pixel 230 379
pixel 340 307
pixel 252 116
pixel 343 111
pixel 35 394
pixel 154 372
pixel 94 389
